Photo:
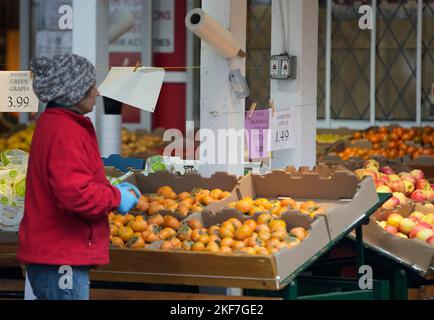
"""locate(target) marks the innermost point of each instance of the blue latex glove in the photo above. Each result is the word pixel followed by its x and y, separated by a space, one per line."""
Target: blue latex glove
pixel 128 200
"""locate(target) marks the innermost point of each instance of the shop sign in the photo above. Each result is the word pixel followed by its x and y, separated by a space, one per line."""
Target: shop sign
pixel 16 92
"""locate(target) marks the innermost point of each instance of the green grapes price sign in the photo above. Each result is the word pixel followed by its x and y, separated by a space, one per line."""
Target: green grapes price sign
pixel 16 92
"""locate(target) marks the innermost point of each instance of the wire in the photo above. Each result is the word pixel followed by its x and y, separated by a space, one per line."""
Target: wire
pixel 282 20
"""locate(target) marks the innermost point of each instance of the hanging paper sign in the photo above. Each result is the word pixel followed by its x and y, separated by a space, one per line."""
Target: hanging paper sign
pixel 16 92
pixel 282 130
pixel 257 129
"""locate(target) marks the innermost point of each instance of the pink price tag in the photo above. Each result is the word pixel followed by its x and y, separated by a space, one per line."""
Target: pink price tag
pixel 257 130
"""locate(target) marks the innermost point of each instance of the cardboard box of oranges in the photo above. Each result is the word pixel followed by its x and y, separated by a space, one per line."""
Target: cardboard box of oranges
pixel 334 189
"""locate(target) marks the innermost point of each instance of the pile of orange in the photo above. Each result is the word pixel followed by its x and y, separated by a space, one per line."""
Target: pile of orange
pixel 265 236
pixel 275 207
pixel 182 204
pixel 393 143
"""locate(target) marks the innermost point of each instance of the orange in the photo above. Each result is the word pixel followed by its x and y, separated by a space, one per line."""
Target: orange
pixel 227 242
pixel 164 190
pixel 143 204
pixel 186 245
pixel 264 235
pixel 244 206
pixel 138 226
pixel 225 249
pixel 265 218
pixel 183 210
pixel 125 233
pixel 279 234
pixel 237 245
pixel 214 238
pixel 309 206
pixel 114 229
pixel 214 230
pixel 127 218
pixel 166 245
pixel 117 242
pixel 204 238
pixel 184 195
pixel 277 224
pixel 155 207
pixel 136 243
pixel 251 223
pixel 111 216
pixel 226 232
pixel 156 219
pixel 188 202
pixel 244 232
pixel 171 222
pixel 194 224
pixel 184 233
pixel 262 227
pixel 299 233
pixel 196 234
pixel 198 246
pixel 254 210
pixel 206 200
pixel 261 250
pixel 248 250
pixel 236 223
pixel 176 243
pixel 212 247
pixel 288 202
pixel 228 225
pixel 216 194
pixel 196 208
pixel 225 194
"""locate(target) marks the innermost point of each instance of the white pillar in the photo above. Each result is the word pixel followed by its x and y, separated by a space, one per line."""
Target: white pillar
pixel 220 109
pixel 91 40
pixel 301 17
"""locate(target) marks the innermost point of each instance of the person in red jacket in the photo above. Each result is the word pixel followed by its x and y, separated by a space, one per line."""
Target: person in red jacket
pixel 65 230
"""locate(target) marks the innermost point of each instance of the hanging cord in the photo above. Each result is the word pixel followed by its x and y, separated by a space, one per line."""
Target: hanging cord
pixel 282 20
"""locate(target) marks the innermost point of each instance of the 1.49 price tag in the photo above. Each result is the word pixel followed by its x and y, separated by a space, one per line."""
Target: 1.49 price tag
pixel 282 130
pixel 16 92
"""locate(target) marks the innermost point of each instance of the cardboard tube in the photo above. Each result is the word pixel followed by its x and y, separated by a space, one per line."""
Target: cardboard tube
pixel 209 30
pixel 121 22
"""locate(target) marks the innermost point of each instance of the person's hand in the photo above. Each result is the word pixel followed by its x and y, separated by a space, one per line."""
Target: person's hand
pixel 129 199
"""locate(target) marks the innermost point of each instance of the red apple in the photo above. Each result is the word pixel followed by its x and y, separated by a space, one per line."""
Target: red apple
pixel 383 189
pixel 371 173
pixel 423 185
pixel 430 241
pixel 424 234
pixel 430 195
pixel 391 229
pixel 406 225
pixel 392 203
pixel 403 200
pixel 397 186
pixel 415 230
pixel 384 178
pixel 394 219
pixel 429 206
pixel 418 174
pixel 394 177
pixel 425 224
pixel 409 187
pixel 387 170
pixel 373 163
pixel 419 196
pixel 409 177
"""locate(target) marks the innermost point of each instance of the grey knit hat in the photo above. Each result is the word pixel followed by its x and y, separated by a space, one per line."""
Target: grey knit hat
pixel 65 79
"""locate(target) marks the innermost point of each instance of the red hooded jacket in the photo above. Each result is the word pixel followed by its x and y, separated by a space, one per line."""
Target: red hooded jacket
pixel 68 197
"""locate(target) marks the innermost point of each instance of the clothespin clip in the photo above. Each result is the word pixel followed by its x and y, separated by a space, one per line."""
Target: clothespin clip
pixel 31 75
pixel 252 109
pixel 272 106
pixel 138 65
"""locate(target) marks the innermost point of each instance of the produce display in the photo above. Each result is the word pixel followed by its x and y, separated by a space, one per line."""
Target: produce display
pixel 405 186
pixel 20 140
pixel 140 143
pixel 331 138
pixel 392 143
pixel 264 236
pixel 276 207
pixel 416 226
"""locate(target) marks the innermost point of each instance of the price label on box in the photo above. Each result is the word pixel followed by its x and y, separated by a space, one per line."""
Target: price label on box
pixel 16 92
pixel 282 130
pixel 258 134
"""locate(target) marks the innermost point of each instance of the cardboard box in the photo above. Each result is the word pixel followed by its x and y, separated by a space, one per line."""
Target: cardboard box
pixel 413 253
pixel 337 190
pixel 181 183
pixel 424 163
pixel 224 269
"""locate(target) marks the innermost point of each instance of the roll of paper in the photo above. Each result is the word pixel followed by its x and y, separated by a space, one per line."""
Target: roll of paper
pixel 209 30
pixel 121 22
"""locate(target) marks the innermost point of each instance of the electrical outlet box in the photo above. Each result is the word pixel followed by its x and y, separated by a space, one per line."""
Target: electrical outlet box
pixel 283 67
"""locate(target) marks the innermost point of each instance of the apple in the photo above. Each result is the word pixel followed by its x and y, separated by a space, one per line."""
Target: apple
pixel 424 234
pixel 416 216
pixel 406 225
pixel 401 197
pixel 394 177
pixel 415 230
pixel 392 203
pixel 418 174
pixel 394 219
pixel 429 218
pixel 359 173
pixel 397 186
pixel 425 224
pixel 384 189
pixel 384 178
pixel 429 206
pixel 409 187
pixel 423 185
pixel 430 241
pixel 401 235
pixel 409 177
pixel 430 195
pixel 419 195
pixel 373 163
pixel 387 170
pixel 391 229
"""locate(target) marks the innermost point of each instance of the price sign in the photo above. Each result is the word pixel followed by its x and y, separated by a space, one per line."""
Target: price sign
pixel 16 92
pixel 282 127
pixel 258 134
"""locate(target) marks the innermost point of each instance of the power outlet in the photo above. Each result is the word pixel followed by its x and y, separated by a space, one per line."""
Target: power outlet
pixel 283 67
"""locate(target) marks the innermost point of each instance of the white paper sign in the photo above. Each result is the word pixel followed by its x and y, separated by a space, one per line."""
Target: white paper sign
pixel 16 92
pixel 282 130
pixel 51 43
pixel 139 89
pixel 164 26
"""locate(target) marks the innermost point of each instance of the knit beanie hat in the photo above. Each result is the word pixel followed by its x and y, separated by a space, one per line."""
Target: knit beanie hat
pixel 65 79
